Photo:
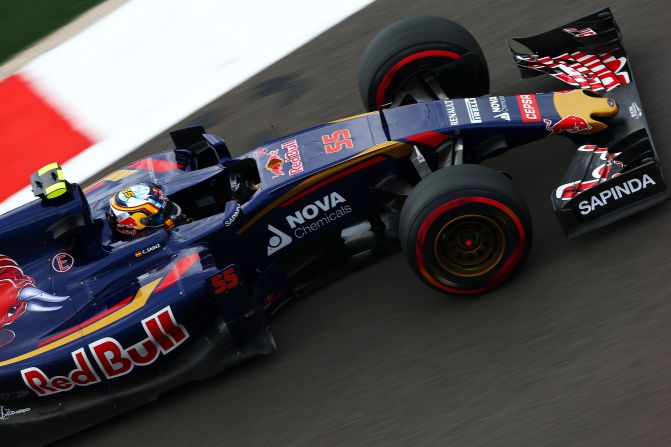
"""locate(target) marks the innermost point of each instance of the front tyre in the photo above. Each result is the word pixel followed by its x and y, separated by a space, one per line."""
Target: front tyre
pixel 410 48
pixel 465 229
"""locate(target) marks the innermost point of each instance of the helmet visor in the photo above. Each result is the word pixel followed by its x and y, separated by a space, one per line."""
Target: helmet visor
pixel 169 211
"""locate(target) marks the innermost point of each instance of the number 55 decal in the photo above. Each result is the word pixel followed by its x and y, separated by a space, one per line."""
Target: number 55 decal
pixel 337 140
pixel 224 281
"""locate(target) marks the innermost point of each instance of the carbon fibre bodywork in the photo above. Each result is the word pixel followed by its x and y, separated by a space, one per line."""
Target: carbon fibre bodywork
pixel 95 324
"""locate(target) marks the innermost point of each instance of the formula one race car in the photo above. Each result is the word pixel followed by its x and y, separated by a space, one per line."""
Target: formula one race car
pixel 93 323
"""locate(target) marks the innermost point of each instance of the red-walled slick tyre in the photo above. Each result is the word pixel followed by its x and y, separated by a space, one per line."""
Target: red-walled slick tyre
pixel 410 47
pixel 465 229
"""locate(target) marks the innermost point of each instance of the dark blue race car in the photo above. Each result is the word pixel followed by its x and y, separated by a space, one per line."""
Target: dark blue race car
pixel 93 323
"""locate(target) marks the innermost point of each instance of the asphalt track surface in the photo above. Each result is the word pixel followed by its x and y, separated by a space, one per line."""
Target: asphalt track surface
pixel 576 350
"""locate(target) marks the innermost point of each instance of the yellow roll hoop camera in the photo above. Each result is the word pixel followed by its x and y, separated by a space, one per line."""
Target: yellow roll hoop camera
pixel 49 182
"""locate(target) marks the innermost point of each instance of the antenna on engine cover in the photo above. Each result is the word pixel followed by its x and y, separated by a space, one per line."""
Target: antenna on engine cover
pixel 277 135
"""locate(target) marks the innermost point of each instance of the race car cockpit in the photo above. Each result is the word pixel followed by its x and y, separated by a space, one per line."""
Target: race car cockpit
pixel 198 175
pixel 199 151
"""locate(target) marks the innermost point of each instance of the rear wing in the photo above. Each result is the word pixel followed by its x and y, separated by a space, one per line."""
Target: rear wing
pixel 614 173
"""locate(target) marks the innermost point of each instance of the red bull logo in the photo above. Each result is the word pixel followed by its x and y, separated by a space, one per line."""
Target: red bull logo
pixel 293 156
pixel 163 335
pixel 570 124
pixel 275 164
pixel 19 295
pixel 126 224
pixel 127 221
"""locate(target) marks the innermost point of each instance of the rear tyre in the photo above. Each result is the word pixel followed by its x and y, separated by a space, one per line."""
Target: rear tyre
pixel 411 47
pixel 465 229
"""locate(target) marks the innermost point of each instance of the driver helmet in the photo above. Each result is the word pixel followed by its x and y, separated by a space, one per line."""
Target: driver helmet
pixel 141 206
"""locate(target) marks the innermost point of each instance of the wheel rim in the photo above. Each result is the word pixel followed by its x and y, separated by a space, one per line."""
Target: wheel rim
pixel 470 245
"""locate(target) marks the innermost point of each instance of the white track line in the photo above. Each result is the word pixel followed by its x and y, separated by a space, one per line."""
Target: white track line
pixel 151 63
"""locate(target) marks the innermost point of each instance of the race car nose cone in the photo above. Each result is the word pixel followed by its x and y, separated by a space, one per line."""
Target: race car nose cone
pixel 587 107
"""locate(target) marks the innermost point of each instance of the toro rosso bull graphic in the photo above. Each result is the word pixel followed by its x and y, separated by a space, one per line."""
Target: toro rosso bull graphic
pixel 276 160
pixel 165 307
pixel 275 163
pixel 570 124
pixel 18 295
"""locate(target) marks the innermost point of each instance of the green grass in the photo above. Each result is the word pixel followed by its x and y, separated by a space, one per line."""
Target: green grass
pixel 23 22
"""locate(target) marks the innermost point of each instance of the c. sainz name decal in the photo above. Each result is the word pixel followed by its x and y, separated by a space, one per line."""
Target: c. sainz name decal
pixel 164 334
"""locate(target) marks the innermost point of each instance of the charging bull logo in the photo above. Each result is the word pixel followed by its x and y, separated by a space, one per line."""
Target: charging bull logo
pixel 19 295
pixel 570 124
pixel 275 163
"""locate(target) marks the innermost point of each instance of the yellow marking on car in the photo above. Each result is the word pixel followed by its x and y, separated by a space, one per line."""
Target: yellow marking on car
pixel 47 168
pixel 56 190
pixel 353 117
pixel 138 302
pixel 582 104
pixel 114 176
